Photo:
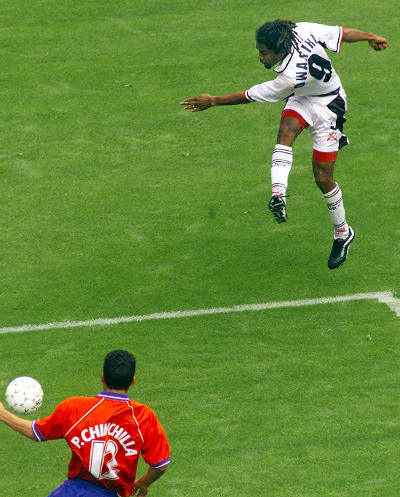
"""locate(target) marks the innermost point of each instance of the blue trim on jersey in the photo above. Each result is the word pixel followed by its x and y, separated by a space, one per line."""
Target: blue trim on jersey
pixel 36 432
pixel 161 464
pixel 113 396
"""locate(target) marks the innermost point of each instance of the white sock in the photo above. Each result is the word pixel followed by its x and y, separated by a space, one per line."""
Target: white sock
pixel 334 201
pixel 282 159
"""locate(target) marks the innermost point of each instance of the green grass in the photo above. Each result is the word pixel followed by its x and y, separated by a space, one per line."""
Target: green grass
pixel 288 403
pixel 114 201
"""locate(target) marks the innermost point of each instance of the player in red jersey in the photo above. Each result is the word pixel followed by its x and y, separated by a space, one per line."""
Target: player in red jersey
pixel 106 434
pixel 315 99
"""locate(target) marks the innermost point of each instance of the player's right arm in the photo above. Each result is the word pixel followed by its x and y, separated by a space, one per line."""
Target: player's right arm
pixel 141 486
pixel 351 35
pixel 205 101
pixel 271 91
pixel 21 425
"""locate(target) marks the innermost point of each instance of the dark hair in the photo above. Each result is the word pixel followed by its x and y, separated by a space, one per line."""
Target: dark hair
pixel 277 35
pixel 119 369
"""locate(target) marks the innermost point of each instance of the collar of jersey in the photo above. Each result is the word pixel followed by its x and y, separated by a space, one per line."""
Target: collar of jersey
pixel 285 62
pixel 113 396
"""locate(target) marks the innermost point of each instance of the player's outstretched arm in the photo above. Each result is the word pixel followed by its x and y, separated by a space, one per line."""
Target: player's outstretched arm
pixel 205 101
pixel 142 484
pixel 376 42
pixel 18 424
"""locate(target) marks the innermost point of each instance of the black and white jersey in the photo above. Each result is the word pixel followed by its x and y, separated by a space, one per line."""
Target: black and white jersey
pixel 307 69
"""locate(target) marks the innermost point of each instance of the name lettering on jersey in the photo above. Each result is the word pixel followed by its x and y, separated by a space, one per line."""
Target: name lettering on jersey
pixel 307 45
pixel 100 431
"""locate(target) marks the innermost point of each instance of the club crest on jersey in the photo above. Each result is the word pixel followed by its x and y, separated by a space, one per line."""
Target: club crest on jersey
pixel 102 430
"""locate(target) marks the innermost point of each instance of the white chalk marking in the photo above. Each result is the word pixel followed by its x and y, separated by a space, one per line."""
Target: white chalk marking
pixel 387 298
pixel 391 301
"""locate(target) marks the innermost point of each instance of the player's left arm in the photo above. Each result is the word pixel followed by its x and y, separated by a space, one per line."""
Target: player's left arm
pixel 140 488
pixel 376 42
pixel 21 425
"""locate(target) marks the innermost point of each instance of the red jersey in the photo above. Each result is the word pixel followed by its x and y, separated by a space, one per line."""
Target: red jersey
pixel 106 434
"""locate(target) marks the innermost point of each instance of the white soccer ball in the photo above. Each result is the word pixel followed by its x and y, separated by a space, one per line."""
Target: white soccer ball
pixel 24 394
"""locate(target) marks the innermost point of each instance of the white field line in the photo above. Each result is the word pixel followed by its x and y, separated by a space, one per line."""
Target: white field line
pixel 387 298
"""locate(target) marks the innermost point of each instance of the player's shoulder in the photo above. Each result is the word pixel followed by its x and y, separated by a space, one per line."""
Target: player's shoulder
pixel 303 25
pixel 313 27
pixel 78 402
pixel 140 406
pixel 304 28
pixel 81 399
pixel 142 410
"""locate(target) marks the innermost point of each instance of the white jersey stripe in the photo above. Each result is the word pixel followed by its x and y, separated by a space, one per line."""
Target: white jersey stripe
pixel 84 416
pixel 136 421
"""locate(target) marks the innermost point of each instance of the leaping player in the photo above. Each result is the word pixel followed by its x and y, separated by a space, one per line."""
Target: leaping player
pixel 315 99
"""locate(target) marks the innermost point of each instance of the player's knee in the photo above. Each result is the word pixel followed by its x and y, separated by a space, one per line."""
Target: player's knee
pixel 324 181
pixel 323 175
pixel 322 184
pixel 288 131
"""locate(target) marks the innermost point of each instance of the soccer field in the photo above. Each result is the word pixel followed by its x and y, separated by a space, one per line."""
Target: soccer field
pixel 115 202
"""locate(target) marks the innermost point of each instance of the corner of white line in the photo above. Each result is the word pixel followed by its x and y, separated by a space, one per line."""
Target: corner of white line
pixel 391 301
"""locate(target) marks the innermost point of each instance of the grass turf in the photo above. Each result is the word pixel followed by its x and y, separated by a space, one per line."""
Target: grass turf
pixel 114 201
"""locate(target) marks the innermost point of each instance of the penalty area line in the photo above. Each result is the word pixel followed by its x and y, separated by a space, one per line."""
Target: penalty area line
pixel 387 298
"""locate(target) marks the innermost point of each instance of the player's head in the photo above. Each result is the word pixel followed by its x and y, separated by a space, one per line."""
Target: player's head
pixel 119 369
pixel 274 41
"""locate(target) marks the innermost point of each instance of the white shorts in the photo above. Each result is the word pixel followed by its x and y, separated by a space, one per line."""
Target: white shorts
pixel 324 116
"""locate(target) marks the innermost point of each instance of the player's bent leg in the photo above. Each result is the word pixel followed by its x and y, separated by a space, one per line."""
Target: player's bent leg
pixel 323 174
pixel 323 165
pixel 291 126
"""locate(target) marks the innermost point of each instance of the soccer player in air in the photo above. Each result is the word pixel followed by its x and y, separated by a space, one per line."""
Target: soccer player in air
pixel 315 99
pixel 106 434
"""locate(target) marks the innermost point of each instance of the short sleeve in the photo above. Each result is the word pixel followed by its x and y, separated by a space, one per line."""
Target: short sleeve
pixel 272 91
pixel 51 427
pixel 329 37
pixel 155 449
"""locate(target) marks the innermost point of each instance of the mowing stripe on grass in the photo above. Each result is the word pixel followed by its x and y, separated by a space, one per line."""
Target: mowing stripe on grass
pixel 387 298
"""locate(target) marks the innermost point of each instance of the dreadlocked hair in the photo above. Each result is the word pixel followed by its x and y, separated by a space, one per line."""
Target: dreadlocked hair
pixel 277 35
